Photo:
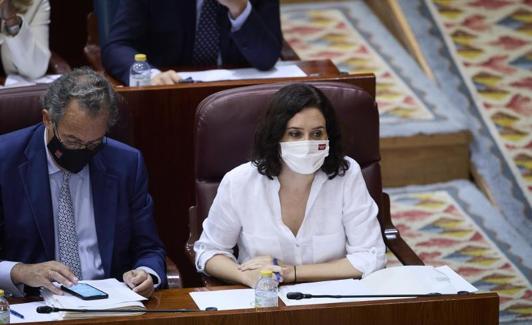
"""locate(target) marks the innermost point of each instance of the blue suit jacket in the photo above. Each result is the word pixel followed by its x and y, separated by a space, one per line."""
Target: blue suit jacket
pixel 127 236
pixel 165 30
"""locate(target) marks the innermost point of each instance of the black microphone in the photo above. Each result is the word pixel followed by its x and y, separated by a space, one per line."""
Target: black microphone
pixel 49 309
pixel 299 295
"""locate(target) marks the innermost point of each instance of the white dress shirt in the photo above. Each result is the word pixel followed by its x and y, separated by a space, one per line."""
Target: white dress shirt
pixel 340 221
pixel 27 53
pixel 89 253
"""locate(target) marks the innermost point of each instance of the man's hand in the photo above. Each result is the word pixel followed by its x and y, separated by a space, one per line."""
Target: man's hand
pixel 169 77
pixel 43 274
pixel 235 6
pixel 140 281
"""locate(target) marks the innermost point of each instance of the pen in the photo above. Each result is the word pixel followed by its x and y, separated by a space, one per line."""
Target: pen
pixel 16 313
pixel 186 80
pixel 275 261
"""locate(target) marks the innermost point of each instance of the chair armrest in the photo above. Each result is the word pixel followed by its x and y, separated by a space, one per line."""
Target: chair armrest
pixel 173 276
pixel 288 53
pixel 93 55
pixel 393 239
pixel 58 65
pixel 194 234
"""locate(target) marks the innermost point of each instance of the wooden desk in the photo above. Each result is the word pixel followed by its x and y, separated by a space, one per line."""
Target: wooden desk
pixel 482 309
pixel 161 122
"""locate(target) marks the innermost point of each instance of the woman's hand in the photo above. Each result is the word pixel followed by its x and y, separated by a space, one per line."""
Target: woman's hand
pixel 258 263
pixel 251 269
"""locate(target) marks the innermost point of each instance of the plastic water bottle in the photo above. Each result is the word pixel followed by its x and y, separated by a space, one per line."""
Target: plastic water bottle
pixel 266 290
pixel 140 72
pixel 4 309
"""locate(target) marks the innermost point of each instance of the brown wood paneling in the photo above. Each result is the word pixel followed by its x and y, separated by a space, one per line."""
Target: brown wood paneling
pixel 425 159
pixel 68 29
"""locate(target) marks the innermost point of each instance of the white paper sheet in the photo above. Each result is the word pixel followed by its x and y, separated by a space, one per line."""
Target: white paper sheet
pixel 28 310
pixel 395 280
pixel 15 80
pixel 278 71
pixel 225 299
pixel 119 295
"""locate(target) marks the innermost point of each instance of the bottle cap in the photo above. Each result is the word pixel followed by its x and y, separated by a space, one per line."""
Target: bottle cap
pixel 266 273
pixel 140 57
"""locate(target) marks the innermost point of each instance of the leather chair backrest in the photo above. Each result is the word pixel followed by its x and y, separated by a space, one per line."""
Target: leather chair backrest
pixel 105 11
pixel 225 126
pixel 21 107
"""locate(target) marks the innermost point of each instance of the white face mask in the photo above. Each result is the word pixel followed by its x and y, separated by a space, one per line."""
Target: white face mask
pixel 304 157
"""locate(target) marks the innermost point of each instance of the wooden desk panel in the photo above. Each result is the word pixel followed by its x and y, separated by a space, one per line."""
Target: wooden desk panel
pixel 471 309
pixel 161 121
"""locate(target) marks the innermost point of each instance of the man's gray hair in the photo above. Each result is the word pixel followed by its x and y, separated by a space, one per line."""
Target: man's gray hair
pixel 91 90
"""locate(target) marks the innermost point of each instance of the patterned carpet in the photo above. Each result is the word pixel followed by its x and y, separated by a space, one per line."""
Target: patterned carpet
pixel 328 34
pixel 480 53
pixel 436 223
pixel 491 43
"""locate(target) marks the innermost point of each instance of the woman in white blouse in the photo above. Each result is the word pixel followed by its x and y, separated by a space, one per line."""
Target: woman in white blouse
pixel 24 37
pixel 300 208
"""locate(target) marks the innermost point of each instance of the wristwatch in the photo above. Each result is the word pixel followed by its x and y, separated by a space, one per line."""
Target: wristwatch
pixel 12 29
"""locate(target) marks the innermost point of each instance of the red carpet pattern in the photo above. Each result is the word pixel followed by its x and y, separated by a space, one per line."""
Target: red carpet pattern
pixel 442 233
pixel 491 42
pixel 328 34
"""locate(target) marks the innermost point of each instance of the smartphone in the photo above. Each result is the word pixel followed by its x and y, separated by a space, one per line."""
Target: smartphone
pixel 85 291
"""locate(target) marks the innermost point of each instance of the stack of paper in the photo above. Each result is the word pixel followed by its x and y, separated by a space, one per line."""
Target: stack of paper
pixel 280 70
pixel 411 279
pixel 15 80
pixel 120 297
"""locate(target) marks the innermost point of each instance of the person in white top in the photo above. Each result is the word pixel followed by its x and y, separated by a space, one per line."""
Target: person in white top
pixel 300 207
pixel 24 37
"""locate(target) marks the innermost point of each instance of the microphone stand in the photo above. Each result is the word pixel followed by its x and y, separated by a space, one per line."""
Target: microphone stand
pixel 299 295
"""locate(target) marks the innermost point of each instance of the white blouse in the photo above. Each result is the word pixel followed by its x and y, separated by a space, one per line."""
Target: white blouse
pixel 340 221
pixel 27 53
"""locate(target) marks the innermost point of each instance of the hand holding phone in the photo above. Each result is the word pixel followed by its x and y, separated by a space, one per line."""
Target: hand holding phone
pixel 85 291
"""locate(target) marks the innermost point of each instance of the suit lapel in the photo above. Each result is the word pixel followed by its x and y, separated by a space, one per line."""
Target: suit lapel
pixel 104 197
pixel 34 175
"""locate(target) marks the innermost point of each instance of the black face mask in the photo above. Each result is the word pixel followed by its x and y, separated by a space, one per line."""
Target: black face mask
pixel 72 160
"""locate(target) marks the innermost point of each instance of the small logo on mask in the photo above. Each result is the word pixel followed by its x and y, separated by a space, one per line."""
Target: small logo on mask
pixel 322 146
pixel 58 153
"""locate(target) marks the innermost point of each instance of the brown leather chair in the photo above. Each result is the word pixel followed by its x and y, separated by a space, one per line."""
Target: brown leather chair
pixel 224 133
pixel 21 107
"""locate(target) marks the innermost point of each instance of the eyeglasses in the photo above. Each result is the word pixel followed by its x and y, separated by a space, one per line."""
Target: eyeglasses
pixel 77 145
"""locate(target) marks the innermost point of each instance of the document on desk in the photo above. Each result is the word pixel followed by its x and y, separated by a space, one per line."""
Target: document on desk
pixel 28 310
pixel 224 299
pixel 412 279
pixel 120 297
pixel 278 71
pixel 15 80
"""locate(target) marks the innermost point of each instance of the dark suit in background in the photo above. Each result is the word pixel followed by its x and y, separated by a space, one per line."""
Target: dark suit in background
pixel 127 236
pixel 164 30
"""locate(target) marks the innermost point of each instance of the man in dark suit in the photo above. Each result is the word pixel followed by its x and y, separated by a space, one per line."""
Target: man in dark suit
pixel 73 203
pixel 193 33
